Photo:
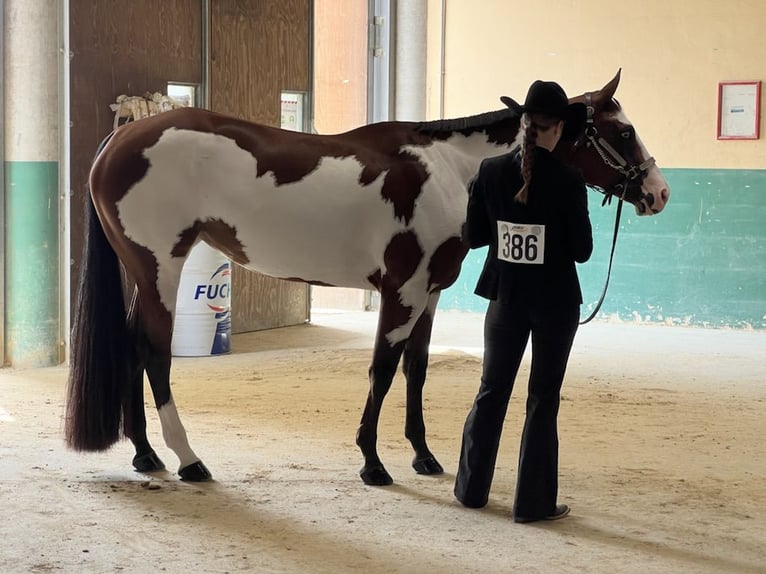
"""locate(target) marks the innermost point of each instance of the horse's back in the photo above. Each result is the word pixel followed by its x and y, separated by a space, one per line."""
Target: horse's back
pixel 296 201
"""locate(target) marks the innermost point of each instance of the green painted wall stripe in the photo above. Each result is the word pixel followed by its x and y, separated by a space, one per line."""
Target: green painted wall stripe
pixel 31 260
pixel 701 262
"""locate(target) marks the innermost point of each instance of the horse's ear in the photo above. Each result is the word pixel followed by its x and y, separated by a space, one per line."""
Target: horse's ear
pixel 607 92
pixel 511 103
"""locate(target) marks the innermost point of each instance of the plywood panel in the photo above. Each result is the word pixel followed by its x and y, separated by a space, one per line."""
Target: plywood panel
pixel 121 48
pixel 259 48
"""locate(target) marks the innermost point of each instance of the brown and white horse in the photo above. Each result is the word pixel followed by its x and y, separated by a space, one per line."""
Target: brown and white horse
pixel 381 206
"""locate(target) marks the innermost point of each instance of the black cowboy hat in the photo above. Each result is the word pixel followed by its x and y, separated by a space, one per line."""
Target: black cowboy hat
pixel 548 98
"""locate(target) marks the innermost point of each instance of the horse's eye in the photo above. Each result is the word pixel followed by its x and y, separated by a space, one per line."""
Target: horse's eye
pixel 627 134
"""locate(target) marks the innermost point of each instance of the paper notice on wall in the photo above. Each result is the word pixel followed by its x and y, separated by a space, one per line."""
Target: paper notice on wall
pixel 292 111
pixel 739 107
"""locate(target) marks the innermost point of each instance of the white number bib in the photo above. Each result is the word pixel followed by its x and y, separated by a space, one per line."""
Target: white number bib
pixel 521 242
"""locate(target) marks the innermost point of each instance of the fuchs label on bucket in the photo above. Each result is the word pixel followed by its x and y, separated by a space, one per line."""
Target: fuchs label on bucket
pixel 203 309
pixel 521 242
pixel 216 291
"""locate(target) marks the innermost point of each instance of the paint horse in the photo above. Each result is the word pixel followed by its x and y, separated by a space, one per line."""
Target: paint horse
pixel 381 206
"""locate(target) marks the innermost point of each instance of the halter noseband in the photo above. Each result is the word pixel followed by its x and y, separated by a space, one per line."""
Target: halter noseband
pixel 633 174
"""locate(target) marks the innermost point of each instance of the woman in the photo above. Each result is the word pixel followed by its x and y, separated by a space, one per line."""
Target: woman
pixel 532 211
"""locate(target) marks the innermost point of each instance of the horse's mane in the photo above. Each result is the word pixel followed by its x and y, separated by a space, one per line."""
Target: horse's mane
pixel 464 125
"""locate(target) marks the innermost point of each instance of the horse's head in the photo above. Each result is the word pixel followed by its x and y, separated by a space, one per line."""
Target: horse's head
pixel 611 156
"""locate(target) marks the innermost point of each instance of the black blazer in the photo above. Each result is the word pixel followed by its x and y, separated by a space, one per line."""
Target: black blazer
pixel 557 200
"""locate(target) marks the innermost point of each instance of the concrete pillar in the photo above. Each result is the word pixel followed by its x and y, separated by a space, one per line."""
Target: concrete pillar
pixel 410 60
pixel 31 64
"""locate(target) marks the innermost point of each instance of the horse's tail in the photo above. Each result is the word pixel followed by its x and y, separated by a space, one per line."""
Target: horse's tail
pixel 99 363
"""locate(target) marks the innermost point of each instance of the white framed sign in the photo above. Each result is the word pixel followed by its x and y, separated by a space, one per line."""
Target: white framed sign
pixel 739 110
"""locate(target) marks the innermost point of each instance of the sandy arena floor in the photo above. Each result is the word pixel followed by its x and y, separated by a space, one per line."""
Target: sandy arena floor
pixel 662 460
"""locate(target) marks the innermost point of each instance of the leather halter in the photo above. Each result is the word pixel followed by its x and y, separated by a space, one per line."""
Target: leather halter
pixel 634 174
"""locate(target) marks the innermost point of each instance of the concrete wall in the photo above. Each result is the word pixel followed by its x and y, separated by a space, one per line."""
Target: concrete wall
pixel 32 204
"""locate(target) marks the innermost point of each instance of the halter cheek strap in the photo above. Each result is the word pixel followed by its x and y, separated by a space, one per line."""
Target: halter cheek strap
pixel 633 174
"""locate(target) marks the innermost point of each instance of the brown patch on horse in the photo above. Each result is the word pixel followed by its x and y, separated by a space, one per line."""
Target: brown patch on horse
pixel 444 267
pixel 375 279
pixel 369 174
pixel 274 151
pixel 186 239
pixel 498 133
pixel 403 184
pixel 215 232
pixel 402 256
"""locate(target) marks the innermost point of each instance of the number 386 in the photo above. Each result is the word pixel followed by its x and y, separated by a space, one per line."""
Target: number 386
pixel 517 247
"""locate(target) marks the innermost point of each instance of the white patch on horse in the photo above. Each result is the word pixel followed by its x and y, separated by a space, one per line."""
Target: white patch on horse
pixel 325 227
pixel 175 435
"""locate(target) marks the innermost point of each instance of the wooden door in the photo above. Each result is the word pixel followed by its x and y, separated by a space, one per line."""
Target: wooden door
pixel 119 48
pixel 258 49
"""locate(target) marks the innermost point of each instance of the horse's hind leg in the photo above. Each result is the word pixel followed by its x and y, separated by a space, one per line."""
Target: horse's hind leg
pixel 146 459
pixel 191 467
pixel 159 332
pixel 385 359
pixel 415 364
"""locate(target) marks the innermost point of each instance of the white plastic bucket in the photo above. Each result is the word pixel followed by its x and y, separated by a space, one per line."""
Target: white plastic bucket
pixel 203 309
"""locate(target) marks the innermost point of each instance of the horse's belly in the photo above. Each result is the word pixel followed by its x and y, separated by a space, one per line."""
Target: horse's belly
pixel 331 253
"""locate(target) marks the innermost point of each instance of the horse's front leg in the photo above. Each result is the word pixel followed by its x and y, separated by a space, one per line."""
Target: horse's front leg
pixel 415 365
pixel 385 359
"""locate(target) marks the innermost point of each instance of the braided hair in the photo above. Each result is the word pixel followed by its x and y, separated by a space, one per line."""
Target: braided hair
pixel 533 123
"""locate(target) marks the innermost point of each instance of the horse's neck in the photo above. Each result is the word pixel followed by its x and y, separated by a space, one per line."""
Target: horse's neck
pixel 463 154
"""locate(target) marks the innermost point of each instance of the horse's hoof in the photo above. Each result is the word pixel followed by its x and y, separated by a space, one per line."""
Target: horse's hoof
pixel 195 472
pixel 376 476
pixel 148 462
pixel 428 465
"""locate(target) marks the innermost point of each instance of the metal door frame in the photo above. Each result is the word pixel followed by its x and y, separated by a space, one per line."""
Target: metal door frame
pixel 2 182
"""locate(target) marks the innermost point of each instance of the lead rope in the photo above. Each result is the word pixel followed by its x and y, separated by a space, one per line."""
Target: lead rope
pixel 590 134
pixel 609 269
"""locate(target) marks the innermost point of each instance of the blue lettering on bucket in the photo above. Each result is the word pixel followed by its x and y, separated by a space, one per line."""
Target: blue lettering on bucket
pixel 211 292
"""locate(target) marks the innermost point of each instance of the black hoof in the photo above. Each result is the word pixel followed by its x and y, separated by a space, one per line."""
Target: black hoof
pixel 148 462
pixel 428 465
pixel 195 472
pixel 376 476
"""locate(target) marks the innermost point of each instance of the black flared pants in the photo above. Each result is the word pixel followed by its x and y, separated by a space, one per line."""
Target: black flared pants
pixel 507 329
